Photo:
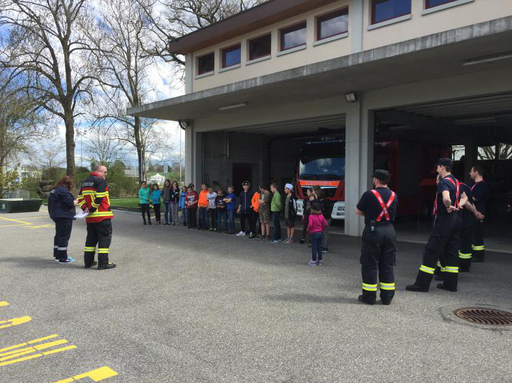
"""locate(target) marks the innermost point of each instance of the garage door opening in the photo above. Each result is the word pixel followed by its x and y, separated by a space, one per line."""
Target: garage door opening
pixel 471 131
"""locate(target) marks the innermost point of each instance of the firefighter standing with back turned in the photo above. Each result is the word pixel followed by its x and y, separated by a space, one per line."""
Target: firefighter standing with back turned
pixel 94 198
pixel 378 254
pixel 443 244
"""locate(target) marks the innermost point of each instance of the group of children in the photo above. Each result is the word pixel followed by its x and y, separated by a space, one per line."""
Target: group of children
pixel 214 210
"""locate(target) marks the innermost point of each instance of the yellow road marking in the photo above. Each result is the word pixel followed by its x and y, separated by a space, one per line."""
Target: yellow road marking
pixel 11 357
pixel 14 322
pixel 96 375
pixel 41 226
pixel 4 303
pixel 16 220
pixel 14 225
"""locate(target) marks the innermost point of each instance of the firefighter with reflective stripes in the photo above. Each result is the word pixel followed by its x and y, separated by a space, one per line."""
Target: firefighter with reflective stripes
pixel 94 198
pixel 442 248
pixel 480 194
pixel 378 253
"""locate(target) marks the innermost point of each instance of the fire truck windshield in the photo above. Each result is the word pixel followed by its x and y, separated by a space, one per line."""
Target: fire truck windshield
pixel 332 168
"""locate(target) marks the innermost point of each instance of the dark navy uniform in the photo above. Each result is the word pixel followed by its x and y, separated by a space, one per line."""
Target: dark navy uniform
pixel 467 228
pixel 443 243
pixel 378 253
pixel 480 192
pixel 61 208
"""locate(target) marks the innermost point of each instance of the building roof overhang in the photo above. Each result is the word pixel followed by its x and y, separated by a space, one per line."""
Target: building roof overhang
pixel 441 55
pixel 244 22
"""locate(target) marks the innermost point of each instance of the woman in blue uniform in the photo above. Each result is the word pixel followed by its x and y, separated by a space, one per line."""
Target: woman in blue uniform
pixel 61 206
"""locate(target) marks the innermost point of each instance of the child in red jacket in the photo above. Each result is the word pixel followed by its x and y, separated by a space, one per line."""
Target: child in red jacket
pixel 316 227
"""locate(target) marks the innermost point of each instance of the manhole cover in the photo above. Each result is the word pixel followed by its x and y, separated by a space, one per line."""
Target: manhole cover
pixel 485 316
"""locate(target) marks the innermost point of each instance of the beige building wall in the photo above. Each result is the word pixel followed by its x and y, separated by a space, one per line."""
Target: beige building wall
pixel 421 22
pixel 311 54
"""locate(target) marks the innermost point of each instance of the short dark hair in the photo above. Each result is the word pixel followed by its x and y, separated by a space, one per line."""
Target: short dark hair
pixel 479 169
pixel 273 184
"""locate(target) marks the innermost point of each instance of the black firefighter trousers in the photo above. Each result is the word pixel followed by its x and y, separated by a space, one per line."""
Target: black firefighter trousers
pixel 442 247
pixel 100 234
pixel 378 258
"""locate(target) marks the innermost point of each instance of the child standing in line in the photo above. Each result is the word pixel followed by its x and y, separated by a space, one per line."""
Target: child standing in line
pixel 307 211
pixel 182 207
pixel 317 225
pixel 175 196
pixel 231 207
pixel 203 208
pixel 144 196
pixel 166 196
pixel 265 212
pixel 156 197
pixel 212 208
pixel 290 212
pixel 275 207
pixel 255 206
pixel 191 204
pixel 221 210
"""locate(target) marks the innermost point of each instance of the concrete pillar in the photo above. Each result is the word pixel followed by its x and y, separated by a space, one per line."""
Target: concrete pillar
pixel 189 73
pixel 359 163
pixel 356 23
pixel 189 155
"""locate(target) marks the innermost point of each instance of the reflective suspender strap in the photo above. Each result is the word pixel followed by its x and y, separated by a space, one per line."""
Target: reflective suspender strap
pixel 384 206
pixel 457 186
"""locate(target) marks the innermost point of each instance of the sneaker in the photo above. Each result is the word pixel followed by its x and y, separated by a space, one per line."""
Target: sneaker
pixel 94 263
pixel 309 244
pixel 252 236
pixel 325 250
pixel 110 265
pixel 276 241
pixel 241 234
pixel 301 242
pixel 320 263
pixel 312 263
pixel 68 260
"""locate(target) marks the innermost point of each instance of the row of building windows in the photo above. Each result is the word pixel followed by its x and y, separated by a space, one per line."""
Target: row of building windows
pixel 327 27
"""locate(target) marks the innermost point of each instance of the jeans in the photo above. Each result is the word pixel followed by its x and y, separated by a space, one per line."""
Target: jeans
pixel 156 206
pixel 276 217
pixel 203 218
pixel 167 208
pixel 231 219
pixel 325 241
pixel 221 214
pixel 192 217
pixel 213 218
pixel 144 208
pixel 174 213
pixel 246 222
pixel 184 215
pixel 316 246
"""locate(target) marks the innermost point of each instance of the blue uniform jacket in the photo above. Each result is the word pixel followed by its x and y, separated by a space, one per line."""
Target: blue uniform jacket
pixel 60 204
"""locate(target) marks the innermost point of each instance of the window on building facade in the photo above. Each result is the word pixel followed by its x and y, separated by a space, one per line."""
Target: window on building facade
pixel 487 153
pixel 260 47
pixel 383 10
pixel 435 3
pixel 206 64
pixel 231 56
pixel 333 24
pixel 293 37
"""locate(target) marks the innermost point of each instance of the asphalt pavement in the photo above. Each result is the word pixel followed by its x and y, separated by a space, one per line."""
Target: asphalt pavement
pixel 189 306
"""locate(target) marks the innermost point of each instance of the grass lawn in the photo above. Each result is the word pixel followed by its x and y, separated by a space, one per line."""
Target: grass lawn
pixel 125 202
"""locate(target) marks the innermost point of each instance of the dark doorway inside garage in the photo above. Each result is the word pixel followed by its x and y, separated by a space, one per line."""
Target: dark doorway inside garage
pixel 241 173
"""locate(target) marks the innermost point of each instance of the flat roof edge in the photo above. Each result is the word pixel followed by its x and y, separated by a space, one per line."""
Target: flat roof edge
pixel 436 40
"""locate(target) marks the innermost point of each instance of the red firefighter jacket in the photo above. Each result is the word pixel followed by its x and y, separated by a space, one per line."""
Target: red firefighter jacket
pixel 94 197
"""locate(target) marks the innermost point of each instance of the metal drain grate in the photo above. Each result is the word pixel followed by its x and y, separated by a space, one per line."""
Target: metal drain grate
pixel 484 316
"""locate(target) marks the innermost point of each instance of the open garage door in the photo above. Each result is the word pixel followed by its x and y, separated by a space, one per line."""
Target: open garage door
pixel 271 153
pixel 476 130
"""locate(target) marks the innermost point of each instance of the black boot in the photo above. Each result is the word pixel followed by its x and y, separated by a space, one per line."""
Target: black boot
pixel 110 265
pixel 366 300
pixel 94 263
pixel 442 286
pixel 416 288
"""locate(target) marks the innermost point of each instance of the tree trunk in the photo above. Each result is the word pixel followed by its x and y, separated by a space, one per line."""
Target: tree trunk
pixel 138 145
pixel 70 143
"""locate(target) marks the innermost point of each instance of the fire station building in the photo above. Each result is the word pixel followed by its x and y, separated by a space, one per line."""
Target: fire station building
pixel 398 82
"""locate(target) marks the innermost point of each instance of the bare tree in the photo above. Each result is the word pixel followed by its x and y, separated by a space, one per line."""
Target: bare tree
pixel 51 153
pixel 102 147
pixel 45 40
pixel 118 42
pixel 171 19
pixel 20 120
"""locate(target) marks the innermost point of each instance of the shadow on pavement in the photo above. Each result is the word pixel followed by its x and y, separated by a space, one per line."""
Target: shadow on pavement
pixel 302 298
pixel 39 263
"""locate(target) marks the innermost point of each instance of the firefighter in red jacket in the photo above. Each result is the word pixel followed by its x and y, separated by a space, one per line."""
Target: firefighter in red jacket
pixel 94 198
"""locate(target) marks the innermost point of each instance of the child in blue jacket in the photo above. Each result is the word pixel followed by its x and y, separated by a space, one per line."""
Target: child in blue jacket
pixel 156 197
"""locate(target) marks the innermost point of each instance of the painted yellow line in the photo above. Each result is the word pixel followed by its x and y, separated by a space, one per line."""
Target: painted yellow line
pixel 41 226
pixel 15 322
pixel 95 375
pixel 4 303
pixel 14 225
pixel 15 220
pixel 12 357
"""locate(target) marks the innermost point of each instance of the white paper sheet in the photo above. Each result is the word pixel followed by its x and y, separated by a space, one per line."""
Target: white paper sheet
pixel 82 214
